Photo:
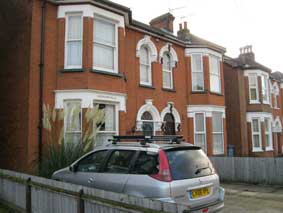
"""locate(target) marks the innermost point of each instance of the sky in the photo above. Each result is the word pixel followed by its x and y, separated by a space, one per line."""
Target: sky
pixel 229 23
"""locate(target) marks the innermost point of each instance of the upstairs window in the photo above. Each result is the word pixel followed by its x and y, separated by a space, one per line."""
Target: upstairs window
pixel 253 88
pixel 73 41
pixel 215 77
pixel 197 73
pixel 73 121
pixel 265 90
pixel 167 71
pixel 268 133
pixel 145 67
pixel 217 133
pixel 105 56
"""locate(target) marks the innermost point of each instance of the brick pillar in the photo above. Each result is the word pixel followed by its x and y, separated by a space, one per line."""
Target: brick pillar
pixel 209 141
pixel 191 130
pixel 87 42
pixel 224 136
pixel 263 139
pixel 247 149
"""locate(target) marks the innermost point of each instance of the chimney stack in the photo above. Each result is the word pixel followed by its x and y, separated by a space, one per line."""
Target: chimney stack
pixel 164 22
pixel 183 33
pixel 246 54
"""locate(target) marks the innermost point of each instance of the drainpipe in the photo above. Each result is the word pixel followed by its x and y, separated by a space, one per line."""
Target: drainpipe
pixel 41 76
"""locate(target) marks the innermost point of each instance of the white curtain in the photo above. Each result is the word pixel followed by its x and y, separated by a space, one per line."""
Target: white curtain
pixel 104 44
pixel 74 40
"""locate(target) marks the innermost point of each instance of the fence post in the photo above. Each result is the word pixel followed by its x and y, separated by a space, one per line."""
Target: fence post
pixel 81 204
pixel 28 195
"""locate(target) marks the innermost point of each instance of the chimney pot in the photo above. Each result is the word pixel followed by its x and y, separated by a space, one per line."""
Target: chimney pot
pixel 180 26
pixel 185 25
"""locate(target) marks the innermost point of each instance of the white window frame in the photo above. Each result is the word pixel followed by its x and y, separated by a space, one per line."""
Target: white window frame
pixel 170 71
pixel 150 121
pixel 116 111
pixel 253 87
pixel 67 40
pixel 115 65
pixel 214 74
pixel 65 121
pixel 256 149
pixel 200 132
pixel 222 134
pixel 149 68
pixel 269 133
pixel 194 71
pixel 264 78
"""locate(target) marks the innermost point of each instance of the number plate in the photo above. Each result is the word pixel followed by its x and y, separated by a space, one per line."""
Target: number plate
pixel 197 193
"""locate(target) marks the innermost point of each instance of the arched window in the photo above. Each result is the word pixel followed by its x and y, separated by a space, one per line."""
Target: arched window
pixel 145 66
pixel 169 124
pixel 147 123
pixel 167 74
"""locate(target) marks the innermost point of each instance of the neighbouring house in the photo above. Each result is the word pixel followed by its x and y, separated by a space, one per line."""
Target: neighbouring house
pixel 84 53
pixel 253 96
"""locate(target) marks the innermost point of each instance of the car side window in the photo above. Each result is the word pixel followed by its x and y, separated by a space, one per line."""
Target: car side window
pixel 92 162
pixel 119 161
pixel 147 163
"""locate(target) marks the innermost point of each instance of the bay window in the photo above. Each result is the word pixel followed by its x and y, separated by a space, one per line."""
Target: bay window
pixel 104 45
pixel 72 121
pixel 217 133
pixel 253 88
pixel 268 133
pixel 215 76
pixel 108 127
pixel 73 41
pixel 256 134
pixel 197 73
pixel 265 92
pixel 199 128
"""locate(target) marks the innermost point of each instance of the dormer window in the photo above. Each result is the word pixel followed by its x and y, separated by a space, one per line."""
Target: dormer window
pixel 105 49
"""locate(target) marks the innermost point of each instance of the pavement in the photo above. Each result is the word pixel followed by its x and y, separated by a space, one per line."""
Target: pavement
pixel 252 198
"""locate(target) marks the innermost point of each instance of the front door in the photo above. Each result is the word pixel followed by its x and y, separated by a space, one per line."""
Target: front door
pixel 169 124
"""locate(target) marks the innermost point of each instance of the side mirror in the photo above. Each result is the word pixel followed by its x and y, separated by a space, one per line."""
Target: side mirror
pixel 72 168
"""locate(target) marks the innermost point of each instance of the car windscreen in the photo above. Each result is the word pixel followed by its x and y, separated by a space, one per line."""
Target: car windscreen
pixel 187 163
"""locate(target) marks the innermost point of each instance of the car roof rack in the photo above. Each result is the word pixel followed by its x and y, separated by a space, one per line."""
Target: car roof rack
pixel 170 139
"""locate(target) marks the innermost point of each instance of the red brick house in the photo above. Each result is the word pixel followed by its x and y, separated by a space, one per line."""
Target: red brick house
pixel 254 106
pixel 87 53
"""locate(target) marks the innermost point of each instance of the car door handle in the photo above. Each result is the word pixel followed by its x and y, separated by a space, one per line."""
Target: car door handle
pixel 90 180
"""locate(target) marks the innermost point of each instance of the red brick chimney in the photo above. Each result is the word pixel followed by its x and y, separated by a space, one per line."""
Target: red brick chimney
pixel 164 21
pixel 246 54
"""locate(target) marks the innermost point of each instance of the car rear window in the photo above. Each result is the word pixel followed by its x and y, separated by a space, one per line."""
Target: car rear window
pixel 188 163
pixel 146 164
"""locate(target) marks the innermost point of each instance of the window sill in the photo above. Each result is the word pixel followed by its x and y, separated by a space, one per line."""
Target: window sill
pixel 119 75
pixel 269 149
pixel 146 86
pixel 216 93
pixel 72 70
pixel 168 90
pixel 199 92
pixel 255 102
pixel 257 150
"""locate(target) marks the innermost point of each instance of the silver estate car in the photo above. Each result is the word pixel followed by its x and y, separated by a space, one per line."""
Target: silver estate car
pixel 172 172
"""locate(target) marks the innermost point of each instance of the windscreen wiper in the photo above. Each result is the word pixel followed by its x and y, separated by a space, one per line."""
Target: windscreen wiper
pixel 202 168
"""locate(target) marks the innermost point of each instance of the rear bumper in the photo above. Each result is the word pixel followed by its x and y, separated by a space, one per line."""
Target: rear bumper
pixel 212 207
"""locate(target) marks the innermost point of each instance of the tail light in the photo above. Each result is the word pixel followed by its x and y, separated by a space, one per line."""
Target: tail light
pixel 164 169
